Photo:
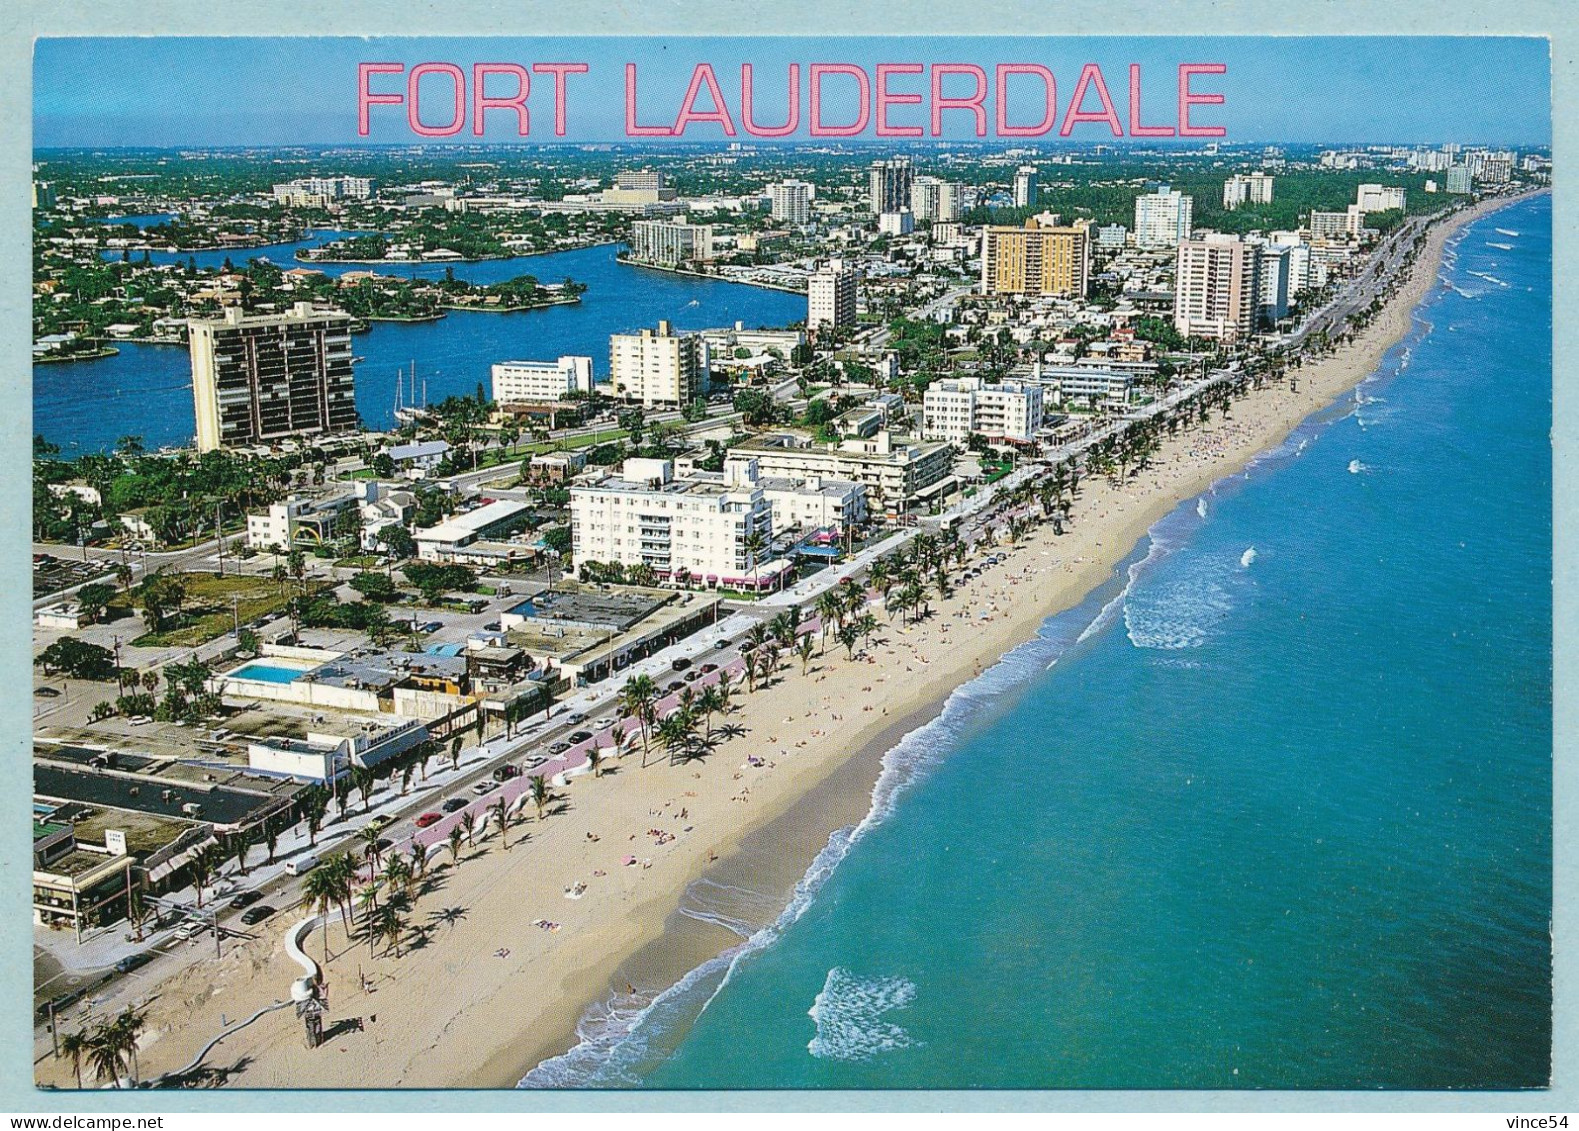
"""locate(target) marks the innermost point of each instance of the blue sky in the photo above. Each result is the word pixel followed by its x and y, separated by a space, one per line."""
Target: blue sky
pixel 199 92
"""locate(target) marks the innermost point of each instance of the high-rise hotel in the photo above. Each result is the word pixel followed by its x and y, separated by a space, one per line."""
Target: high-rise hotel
pixel 1216 290
pixel 257 378
pixel 1040 259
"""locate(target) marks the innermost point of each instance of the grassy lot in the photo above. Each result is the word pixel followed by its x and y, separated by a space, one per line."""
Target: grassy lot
pixel 207 612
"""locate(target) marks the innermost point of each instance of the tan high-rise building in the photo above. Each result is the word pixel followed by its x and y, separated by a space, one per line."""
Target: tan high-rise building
pixel 1038 259
pixel 1216 288
pixel 659 367
pixel 257 378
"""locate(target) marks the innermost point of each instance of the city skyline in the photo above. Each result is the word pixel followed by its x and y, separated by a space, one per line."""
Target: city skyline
pixel 1294 90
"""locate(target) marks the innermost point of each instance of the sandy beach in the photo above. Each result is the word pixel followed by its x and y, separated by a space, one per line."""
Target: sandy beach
pixel 516 950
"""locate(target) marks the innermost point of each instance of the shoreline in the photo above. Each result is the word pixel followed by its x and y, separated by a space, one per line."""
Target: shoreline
pixel 451 1014
pixel 714 278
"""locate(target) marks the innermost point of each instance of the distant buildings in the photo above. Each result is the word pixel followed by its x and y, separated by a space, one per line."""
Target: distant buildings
pixel 1163 218
pixel 790 201
pixel 1112 236
pixel 260 378
pixel 636 188
pixel 1337 225
pixel 1039 259
pixel 888 185
pixel 937 201
pixel 43 195
pixel 1216 280
pixel 1460 182
pixel 539 382
pixel 953 409
pixel 1380 198
pixel 1025 186
pixel 1254 188
pixel 900 223
pixel 830 298
pixel 668 243
pixel 659 367
pixel 318 192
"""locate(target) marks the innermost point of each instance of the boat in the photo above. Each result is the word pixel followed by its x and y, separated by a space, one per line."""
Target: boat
pixel 412 413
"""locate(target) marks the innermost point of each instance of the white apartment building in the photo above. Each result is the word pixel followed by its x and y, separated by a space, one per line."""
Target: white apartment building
pixel 1163 218
pixel 954 408
pixel 936 200
pixel 900 223
pixel 1025 186
pixel 659 367
pixel 888 185
pixel 644 516
pixel 896 476
pixel 1380 198
pixel 791 201
pixel 1112 236
pixel 669 243
pixel 1274 287
pixel 830 297
pixel 1337 225
pixel 540 382
pixel 1254 188
pixel 1091 383
pixel 470 537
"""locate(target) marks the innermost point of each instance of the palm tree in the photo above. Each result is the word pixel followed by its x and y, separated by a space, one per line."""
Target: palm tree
pixel 595 761
pixel 455 752
pixel 362 778
pixel 711 700
pixel 137 912
pixel 397 874
pixel 457 834
pixel 830 609
pixel 675 733
pixel 758 634
pixel 320 892
pixel 75 1047
pixel 469 824
pixel 804 649
pixel 754 543
pixel 501 817
pixel 205 862
pixel 541 795
pixel 368 898
pixel 371 849
pixel 637 698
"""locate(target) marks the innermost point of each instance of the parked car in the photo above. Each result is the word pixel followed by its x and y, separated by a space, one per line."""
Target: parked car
pixel 133 961
pixel 190 928
pixel 708 669
pixel 382 821
pixel 506 772
pixel 559 748
pixel 454 804
pixel 256 914
pixel 304 864
pixel 680 663
pixel 573 719
pixel 61 1003
pixel 580 736
pixel 245 899
pixel 429 819
pixel 721 645
pixel 747 646
pixel 692 676
pixel 484 787
pixel 674 685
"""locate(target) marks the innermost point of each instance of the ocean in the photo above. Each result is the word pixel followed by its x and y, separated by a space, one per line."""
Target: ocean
pixel 1272 809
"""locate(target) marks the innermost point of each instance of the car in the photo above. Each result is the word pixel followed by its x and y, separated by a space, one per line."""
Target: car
pixel 484 787
pixel 674 685
pixel 429 819
pixel 747 646
pixel 690 676
pixel 680 663
pixel 575 718
pixel 581 736
pixel 535 761
pixel 382 821
pixel 245 899
pixel 454 804
pixel 506 772
pixel 47 692
pixel 132 962
pixel 604 723
pixel 559 748
pixel 190 928
pixel 721 645
pixel 708 669
pixel 493 626
pixel 431 626
pixel 256 914
pixel 60 1003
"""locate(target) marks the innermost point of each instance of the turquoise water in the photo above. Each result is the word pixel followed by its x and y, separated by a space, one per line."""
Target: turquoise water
pixel 1272 810
pixel 146 389
pixel 268 673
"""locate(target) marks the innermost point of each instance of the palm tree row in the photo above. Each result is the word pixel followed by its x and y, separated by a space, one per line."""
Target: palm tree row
pixel 107 1048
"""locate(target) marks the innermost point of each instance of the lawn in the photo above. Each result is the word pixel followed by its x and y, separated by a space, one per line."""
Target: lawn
pixel 208 611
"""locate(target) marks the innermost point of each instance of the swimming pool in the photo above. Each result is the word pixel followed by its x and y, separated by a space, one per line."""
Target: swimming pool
pixel 268 673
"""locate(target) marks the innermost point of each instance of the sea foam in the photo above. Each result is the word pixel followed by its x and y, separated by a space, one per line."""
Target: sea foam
pixel 849 1013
